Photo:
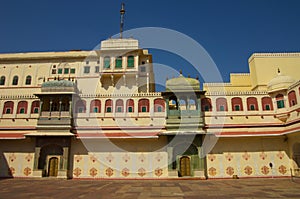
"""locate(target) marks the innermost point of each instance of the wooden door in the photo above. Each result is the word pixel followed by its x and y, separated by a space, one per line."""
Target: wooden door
pixel 185 166
pixel 53 167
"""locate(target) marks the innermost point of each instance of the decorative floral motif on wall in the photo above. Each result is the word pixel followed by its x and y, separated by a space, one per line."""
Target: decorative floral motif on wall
pixel 282 169
pixel 11 171
pixel 280 155
pixel 93 172
pixel 142 158
pixel 248 170
pixel 78 158
pixel 246 156
pixel 265 170
pixel 158 172
pixel 158 157
pixel 28 157
pixel 12 157
pixel 212 171
pixel 93 158
pixel 263 155
pixel 230 171
pixel 110 157
pixel 211 157
pixel 229 157
pixel 77 172
pixel 27 171
pixel 125 172
pixel 141 172
pixel 126 157
pixel 109 172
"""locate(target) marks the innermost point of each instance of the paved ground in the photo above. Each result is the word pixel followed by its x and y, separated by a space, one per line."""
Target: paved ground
pixel 146 189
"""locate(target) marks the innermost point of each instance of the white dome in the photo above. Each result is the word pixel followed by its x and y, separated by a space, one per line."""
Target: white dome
pixel 281 82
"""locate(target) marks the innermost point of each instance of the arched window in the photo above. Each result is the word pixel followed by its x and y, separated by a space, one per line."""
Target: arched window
pixel 280 101
pixel 15 80
pixel 119 106
pixel 192 104
pixel 2 80
pixel 143 105
pixel 221 104
pixel 130 105
pixel 237 104
pixel 28 80
pixel 119 62
pixel 130 61
pixel 267 104
pixel 173 104
pixel 106 62
pixel 159 105
pixel 22 107
pixel 252 104
pixel 206 104
pixel 95 106
pixel 292 98
pixel 108 106
pixel 8 107
pixel 80 106
pixel 35 106
pixel 182 104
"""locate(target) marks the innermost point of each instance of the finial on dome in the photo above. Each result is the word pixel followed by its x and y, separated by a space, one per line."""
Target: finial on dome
pixel 278 70
pixel 197 77
pixel 180 71
pixel 189 76
pixel 167 78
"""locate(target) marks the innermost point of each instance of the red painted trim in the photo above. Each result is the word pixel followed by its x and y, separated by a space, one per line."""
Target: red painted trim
pixel 113 135
pixel 18 127
pixel 12 135
pixel 247 133
pixel 119 127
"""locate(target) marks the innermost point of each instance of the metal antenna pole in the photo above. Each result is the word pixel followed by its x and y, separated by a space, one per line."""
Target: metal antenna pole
pixel 122 12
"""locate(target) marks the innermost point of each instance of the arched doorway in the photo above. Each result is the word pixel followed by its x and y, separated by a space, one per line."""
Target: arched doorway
pixel 53 167
pixel 185 166
pixel 49 159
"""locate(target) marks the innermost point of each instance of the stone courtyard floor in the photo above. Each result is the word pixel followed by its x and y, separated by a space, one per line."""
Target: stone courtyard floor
pixel 146 189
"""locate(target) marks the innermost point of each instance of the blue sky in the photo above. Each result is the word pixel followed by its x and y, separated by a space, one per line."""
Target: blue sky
pixel 230 30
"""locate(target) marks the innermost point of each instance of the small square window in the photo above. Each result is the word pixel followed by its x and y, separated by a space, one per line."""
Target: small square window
pixel 252 107
pixel 96 69
pixel 72 71
pixel 53 71
pixel 130 109
pixel 80 110
pixel 59 71
pixel 22 110
pixel 108 109
pixel 222 108
pixel 119 109
pixel 206 108
pixel 86 69
pixel 66 71
pixel 8 111
pixel 143 69
pixel 54 66
pixel 236 107
pixel 144 109
pixel 36 110
pixel 267 107
pixel 159 109
pixel 95 110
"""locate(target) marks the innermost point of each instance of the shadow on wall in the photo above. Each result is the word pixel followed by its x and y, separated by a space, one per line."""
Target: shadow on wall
pixel 5 171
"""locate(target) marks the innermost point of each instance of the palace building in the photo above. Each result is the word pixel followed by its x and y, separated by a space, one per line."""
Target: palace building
pixel 96 114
